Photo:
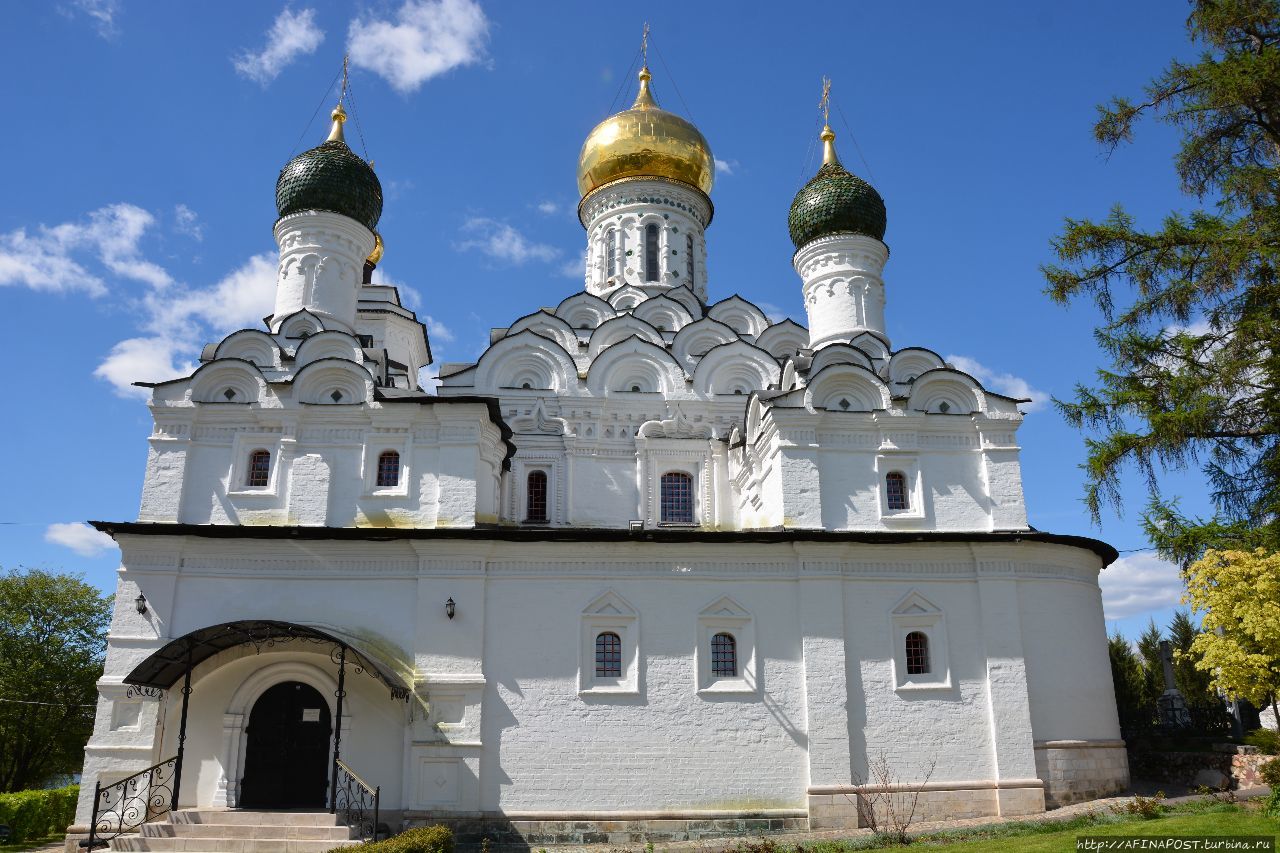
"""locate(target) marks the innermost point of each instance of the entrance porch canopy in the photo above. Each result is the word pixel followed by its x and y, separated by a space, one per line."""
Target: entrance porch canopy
pixel 168 664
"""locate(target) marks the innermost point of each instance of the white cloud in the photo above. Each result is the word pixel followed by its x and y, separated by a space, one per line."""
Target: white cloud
pixel 412 299
pixel 101 12
pixel 428 38
pixel 1002 383
pixel 292 35
pixel 772 312
pixel 182 318
pixel 185 221
pixel 725 167
pixel 240 300
pixel 574 268
pixel 53 258
pixel 439 331
pixel 548 207
pixel 79 537
pixel 153 359
pixel 501 242
pixel 1137 583
pixel 429 379
pixel 409 296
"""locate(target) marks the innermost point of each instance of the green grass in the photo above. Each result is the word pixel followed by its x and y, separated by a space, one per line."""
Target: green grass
pixel 1206 817
pixel 30 845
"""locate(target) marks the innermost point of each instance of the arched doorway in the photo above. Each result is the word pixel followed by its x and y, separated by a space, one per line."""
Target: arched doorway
pixel 286 763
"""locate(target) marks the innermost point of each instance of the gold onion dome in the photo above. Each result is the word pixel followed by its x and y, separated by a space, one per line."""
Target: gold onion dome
pixel 835 201
pixel 331 177
pixel 645 142
pixel 378 248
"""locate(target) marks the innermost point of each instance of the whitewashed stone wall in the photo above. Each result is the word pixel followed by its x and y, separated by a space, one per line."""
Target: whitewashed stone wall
pixel 503 721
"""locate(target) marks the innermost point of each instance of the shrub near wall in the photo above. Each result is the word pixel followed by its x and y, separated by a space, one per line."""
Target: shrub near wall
pixel 36 814
pixel 423 839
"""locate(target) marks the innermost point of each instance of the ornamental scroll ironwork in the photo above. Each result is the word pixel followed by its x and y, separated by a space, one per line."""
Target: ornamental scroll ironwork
pixel 357 803
pixel 135 691
pixel 268 635
pixel 123 807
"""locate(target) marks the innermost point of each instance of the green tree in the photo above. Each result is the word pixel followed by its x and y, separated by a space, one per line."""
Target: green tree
pixel 1192 681
pixel 52 640
pixel 1192 308
pixel 1239 643
pixel 1152 665
pixel 1129 680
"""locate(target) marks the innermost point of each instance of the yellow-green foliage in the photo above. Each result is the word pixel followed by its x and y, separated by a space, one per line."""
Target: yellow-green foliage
pixel 423 839
pixel 1239 640
pixel 35 814
pixel 1266 740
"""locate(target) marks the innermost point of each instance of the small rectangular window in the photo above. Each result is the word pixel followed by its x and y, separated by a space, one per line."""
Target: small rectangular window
pixel 536 497
pixel 608 655
pixel 259 473
pixel 895 490
pixel 917 653
pixel 724 656
pixel 676 498
pixel 389 469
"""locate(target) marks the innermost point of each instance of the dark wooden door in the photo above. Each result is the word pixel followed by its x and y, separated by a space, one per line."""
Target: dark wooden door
pixel 286 764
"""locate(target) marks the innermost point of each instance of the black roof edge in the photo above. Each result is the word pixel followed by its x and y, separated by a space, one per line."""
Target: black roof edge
pixel 491 403
pixel 1104 551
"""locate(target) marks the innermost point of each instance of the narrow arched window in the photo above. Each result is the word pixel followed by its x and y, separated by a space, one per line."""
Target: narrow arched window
pixel 611 252
pixel 535 496
pixel 259 473
pixel 688 257
pixel 917 653
pixel 724 656
pixel 388 469
pixel 651 252
pixel 608 655
pixel 676 498
pixel 895 490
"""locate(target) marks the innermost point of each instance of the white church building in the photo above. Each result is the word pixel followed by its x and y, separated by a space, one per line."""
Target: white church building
pixel 654 567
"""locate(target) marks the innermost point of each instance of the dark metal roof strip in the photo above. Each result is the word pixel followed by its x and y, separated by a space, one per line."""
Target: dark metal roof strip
pixel 1107 553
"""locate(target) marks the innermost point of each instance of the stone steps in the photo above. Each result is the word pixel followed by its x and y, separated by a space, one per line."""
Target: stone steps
pixel 214 831
pixel 255 818
pixel 245 830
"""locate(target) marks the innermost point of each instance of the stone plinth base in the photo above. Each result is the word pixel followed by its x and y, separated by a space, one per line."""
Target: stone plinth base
pixel 847 806
pixel 523 831
pixel 1078 770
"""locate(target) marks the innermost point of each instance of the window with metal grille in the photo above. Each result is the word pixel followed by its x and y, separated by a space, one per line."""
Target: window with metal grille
pixel 611 252
pixel 651 252
pixel 917 653
pixel 259 473
pixel 688 257
pixel 535 496
pixel 895 490
pixel 608 655
pixel 676 498
pixel 388 469
pixel 724 656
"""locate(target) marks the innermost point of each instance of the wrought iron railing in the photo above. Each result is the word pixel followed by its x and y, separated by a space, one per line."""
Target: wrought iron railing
pixel 123 807
pixel 357 803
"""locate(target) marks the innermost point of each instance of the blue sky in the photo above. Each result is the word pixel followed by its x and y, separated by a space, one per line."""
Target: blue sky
pixel 144 139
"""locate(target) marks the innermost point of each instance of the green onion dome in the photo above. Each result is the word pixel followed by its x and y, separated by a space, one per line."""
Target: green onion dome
pixel 835 202
pixel 331 177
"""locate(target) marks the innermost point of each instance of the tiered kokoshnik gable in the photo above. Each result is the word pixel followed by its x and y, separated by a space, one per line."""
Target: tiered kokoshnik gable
pixel 639 354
